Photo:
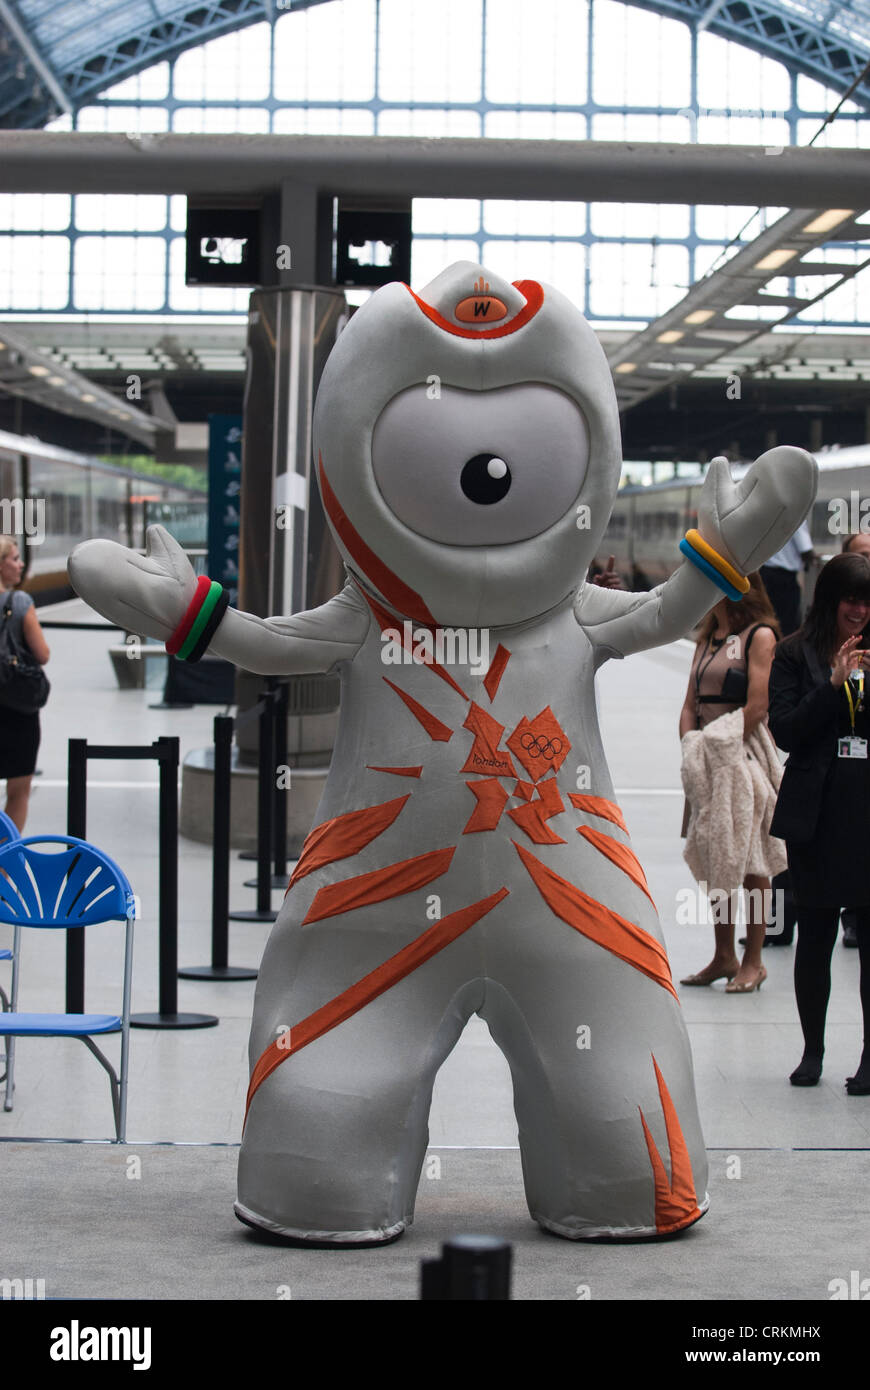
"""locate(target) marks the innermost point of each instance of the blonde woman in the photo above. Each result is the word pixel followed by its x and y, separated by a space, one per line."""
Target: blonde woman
pixel 19 733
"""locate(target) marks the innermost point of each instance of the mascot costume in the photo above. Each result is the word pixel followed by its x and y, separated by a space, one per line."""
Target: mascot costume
pixel 468 855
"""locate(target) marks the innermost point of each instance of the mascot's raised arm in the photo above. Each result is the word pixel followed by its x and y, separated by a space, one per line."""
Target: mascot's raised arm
pixel 468 854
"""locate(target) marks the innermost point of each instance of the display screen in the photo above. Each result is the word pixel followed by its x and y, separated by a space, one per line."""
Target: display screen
pixel 223 246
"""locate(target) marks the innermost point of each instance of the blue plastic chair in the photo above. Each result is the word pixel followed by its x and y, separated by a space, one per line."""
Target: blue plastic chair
pixel 8 831
pixel 77 887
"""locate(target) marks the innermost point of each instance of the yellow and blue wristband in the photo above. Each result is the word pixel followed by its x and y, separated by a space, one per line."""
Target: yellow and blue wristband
pixel 714 566
pixel 191 638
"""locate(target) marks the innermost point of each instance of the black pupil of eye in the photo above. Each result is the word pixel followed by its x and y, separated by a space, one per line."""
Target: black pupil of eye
pixel 479 485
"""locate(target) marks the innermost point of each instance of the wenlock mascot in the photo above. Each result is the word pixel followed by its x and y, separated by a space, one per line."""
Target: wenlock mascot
pixel 468 854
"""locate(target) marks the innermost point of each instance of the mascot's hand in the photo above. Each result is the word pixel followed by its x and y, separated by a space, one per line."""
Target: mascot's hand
pixel 749 521
pixel 148 594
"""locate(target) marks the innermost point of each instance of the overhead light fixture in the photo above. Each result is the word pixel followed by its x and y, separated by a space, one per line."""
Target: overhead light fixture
pixel 826 220
pixel 38 370
pixel 625 367
pixel 57 381
pixel 671 335
pixel 700 316
pixel 89 399
pixel 774 259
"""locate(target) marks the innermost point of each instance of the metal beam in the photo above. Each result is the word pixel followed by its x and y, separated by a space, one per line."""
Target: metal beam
pixel 704 327
pixel 709 15
pixel 605 171
pixel 25 371
pixel 37 59
pixel 835 58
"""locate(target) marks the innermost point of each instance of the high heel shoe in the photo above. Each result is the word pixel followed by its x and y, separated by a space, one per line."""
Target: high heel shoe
pixel 708 976
pixel 747 987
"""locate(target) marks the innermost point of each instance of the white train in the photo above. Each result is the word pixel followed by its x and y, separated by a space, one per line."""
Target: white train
pixel 51 498
pixel 649 522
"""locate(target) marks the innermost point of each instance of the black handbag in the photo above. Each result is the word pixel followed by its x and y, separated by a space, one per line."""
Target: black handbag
pixel 24 685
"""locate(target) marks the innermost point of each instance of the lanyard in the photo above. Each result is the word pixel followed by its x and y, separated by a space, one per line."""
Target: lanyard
pixel 847 686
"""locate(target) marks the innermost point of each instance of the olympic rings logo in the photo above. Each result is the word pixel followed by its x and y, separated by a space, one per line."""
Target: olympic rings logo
pixel 541 747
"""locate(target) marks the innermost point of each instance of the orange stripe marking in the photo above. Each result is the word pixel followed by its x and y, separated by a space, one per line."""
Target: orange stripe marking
pixel 351 1000
pixel 599 923
pixel 386 619
pixel 379 885
pixel 394 590
pixel 345 835
pixel 599 806
pixel 398 771
pixel 496 670
pixel 619 854
pixel 437 731
pixel 676 1202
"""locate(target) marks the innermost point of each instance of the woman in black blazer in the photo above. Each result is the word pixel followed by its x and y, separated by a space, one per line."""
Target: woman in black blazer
pixel 818 715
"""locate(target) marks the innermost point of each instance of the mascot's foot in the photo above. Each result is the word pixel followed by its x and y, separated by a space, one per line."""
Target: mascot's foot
pixel 616 1237
pixel 283 1235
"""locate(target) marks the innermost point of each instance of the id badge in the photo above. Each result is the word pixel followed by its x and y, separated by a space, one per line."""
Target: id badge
pixel 852 748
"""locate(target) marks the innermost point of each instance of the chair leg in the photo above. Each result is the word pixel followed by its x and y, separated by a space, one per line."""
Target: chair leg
pixel 121 1113
pixel 113 1082
pixel 4 1005
pixel 10 1069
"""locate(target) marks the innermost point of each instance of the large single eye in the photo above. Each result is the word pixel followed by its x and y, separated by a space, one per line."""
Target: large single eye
pixel 485 479
pixel 480 467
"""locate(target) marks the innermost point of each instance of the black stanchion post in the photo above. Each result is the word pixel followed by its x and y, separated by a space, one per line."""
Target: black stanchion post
pixel 220 878
pixel 263 912
pixel 76 824
pixel 278 809
pixel 167 751
pixel 220 872
pixel 168 887
pixel 279 870
pixel 471 1268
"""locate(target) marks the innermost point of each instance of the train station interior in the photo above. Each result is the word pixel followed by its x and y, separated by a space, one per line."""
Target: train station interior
pixel 195 202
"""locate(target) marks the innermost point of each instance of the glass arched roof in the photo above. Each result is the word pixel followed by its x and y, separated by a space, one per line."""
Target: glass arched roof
pixel 57 54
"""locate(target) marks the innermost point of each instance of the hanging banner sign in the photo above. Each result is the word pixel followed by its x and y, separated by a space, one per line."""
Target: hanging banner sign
pixel 224 488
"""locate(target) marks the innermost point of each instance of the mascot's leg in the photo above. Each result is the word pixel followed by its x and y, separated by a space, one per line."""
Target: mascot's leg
pixel 336 1134
pixel 603 1090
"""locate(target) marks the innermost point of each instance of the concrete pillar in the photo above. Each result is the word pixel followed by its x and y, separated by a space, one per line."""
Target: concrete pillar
pixel 304 226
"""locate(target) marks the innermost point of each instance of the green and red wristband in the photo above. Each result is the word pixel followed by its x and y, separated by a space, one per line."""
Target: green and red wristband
pixel 191 638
